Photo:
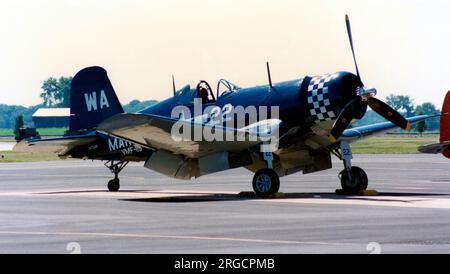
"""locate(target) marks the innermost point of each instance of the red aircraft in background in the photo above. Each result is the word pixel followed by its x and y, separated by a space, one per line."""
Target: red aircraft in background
pixel 444 140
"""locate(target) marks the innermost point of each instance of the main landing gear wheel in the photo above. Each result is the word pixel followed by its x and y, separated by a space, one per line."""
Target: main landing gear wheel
pixel 114 185
pixel 353 180
pixel 266 182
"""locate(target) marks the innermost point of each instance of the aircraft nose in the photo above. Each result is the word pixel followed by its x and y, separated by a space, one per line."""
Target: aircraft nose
pixel 328 94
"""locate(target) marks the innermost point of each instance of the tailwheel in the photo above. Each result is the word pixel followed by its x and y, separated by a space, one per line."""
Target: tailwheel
pixel 266 182
pixel 354 180
pixel 115 167
pixel 114 185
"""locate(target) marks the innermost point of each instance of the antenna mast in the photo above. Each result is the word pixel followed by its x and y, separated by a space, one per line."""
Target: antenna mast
pixel 268 74
pixel 173 85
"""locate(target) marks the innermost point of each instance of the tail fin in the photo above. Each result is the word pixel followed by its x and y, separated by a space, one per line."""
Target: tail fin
pixel 92 99
pixel 445 123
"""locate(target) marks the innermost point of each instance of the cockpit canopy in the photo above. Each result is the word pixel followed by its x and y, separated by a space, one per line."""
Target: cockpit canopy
pixel 229 87
pixel 186 95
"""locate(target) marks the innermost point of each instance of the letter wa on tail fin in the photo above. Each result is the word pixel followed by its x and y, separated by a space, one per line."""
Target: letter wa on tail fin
pixel 92 99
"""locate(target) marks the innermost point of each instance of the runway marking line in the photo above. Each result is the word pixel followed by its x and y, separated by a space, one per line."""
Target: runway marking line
pixel 390 201
pixel 156 236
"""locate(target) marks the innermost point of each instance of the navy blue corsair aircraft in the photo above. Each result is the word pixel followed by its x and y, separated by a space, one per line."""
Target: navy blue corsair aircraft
pixel 314 113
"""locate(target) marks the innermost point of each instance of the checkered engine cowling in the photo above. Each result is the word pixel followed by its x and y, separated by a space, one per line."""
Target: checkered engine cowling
pixel 319 99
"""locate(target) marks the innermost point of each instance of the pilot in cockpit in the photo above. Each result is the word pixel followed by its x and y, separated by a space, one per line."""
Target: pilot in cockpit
pixel 203 95
pixel 204 92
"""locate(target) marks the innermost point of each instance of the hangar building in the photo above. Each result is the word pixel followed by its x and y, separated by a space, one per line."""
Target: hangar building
pixel 51 117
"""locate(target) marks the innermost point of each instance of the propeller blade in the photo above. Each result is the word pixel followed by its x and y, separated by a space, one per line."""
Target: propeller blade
pixel 350 38
pixel 344 119
pixel 388 113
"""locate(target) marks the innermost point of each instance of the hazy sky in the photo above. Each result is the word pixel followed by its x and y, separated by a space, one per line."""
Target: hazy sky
pixel 402 46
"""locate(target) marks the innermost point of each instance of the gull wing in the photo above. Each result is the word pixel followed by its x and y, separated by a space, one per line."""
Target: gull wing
pixel 157 132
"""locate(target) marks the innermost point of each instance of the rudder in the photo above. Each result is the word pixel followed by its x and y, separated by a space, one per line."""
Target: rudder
pixel 92 99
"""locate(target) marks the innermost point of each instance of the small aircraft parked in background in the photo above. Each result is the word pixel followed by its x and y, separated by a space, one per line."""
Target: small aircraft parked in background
pixel 313 114
pixel 444 140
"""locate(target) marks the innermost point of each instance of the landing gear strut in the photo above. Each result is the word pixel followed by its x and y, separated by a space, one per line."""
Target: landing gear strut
pixel 353 178
pixel 115 167
pixel 266 181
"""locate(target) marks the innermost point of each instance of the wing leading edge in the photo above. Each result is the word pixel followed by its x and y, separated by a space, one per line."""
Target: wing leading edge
pixel 353 134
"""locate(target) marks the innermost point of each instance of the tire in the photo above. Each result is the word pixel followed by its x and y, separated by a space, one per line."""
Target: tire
pixel 363 177
pixel 354 180
pixel 266 182
pixel 114 185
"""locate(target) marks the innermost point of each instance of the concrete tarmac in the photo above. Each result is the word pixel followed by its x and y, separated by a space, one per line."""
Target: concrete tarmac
pixel 63 207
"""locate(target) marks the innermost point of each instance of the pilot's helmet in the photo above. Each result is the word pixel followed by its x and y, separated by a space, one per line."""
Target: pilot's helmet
pixel 203 92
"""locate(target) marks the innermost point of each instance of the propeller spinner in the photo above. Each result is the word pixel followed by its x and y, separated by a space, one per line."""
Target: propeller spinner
pixel 365 96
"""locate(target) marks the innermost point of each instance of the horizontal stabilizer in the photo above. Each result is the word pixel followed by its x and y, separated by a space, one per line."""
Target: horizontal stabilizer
pixel 55 145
